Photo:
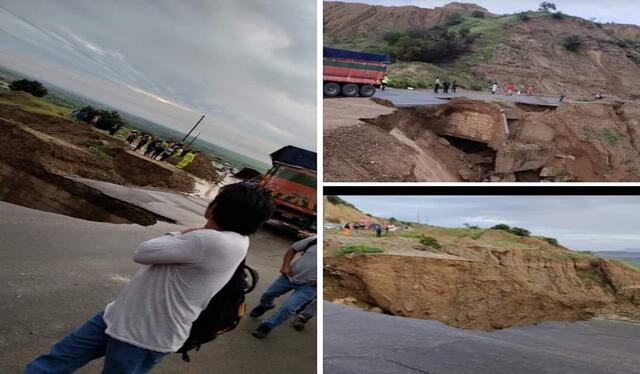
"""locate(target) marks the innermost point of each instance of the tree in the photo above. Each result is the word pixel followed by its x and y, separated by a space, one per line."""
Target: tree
pixel 519 231
pixel 35 88
pixel 108 119
pixel 547 6
pixel 501 226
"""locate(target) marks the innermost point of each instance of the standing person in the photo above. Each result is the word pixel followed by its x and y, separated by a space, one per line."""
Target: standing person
pixel 356 227
pixel 187 159
pixel 562 97
pixel 132 136
pixel 386 230
pixel 454 86
pixel 142 142
pixel 347 230
pixel 494 88
pixel 153 313
pixel 94 120
pixel 299 277
pixel 168 152
pixel 384 82
pixel 114 129
pixel 437 85
pixel 158 149
pixel 446 86
pixel 378 231
pixel 308 311
pixel 529 90
pixel 510 88
pixel 151 146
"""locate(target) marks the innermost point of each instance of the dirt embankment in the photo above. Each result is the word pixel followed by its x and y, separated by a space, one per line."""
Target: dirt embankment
pixel 41 152
pixel 478 286
pixel 473 140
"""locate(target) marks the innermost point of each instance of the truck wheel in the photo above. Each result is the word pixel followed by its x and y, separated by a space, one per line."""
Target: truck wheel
pixel 367 90
pixel 331 89
pixel 350 90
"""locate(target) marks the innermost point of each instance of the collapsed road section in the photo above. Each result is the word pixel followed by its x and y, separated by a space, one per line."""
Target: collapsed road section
pixel 491 141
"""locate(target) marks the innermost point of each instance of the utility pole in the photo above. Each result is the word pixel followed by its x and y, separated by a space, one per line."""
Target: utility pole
pixel 193 140
pixel 194 127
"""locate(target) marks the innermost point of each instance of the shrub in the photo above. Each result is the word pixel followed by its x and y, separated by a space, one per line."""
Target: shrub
pixel 572 43
pixel 454 19
pixel 552 241
pixel 519 231
pixel 501 226
pixel 478 14
pixel 108 119
pixel 35 88
pixel 473 227
pixel 557 15
pixel 430 242
pixel 612 136
pixel 433 45
pixel 357 249
pixel 524 16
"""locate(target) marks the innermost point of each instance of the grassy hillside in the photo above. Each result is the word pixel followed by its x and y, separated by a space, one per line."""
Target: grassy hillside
pixel 33 104
pixel 474 48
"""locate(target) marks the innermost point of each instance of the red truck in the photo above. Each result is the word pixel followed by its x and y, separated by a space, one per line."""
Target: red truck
pixel 293 184
pixel 352 73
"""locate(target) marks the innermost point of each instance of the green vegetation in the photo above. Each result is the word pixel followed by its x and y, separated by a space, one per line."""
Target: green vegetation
pixel 552 241
pixel 588 134
pixel 518 231
pixel 612 136
pixel 435 45
pixel 35 88
pixel 590 277
pixel 33 104
pixel 546 7
pixel 430 241
pixel 108 119
pixel 572 43
pixel 336 200
pixel 99 153
pixel 558 15
pixel 357 249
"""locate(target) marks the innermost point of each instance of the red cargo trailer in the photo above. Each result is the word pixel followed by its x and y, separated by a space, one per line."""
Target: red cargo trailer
pixel 352 73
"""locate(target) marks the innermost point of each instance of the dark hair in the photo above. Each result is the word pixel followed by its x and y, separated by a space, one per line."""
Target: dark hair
pixel 241 208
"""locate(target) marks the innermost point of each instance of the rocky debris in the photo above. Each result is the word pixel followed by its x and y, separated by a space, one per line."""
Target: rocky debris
pixel 516 156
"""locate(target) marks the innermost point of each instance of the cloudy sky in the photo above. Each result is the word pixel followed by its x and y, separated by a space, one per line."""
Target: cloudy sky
pixel 249 66
pixel 579 222
pixel 620 11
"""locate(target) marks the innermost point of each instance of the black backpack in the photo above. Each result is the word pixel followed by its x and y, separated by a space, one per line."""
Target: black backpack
pixel 224 311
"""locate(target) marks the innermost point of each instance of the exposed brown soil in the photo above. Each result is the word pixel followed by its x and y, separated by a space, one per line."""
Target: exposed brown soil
pixel 40 153
pixel 473 140
pixel 344 19
pixel 477 285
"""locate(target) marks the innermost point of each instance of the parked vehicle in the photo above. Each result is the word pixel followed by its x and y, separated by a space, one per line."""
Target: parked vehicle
pixel 293 183
pixel 352 73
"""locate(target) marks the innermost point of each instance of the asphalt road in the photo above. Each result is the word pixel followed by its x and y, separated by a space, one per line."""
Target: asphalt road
pixel 363 342
pixel 57 271
pixel 411 98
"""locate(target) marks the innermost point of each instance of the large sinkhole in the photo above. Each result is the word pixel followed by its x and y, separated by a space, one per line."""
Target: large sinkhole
pixel 54 193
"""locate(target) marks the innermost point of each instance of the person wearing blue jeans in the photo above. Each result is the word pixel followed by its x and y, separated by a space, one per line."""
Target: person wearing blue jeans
pixel 299 277
pixel 90 342
pixel 153 314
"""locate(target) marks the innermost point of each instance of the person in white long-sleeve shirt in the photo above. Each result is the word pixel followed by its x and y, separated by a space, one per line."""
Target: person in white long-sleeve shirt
pixel 182 271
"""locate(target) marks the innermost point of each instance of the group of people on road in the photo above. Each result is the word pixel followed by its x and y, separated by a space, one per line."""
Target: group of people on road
pixel 446 85
pixel 353 229
pixel 160 149
pixel 153 314
pixel 512 89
